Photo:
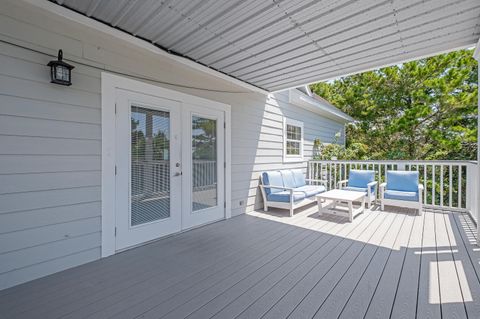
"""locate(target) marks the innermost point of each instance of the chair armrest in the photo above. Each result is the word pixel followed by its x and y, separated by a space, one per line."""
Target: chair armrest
pixel 420 193
pixel 383 186
pixel 370 185
pixel 277 187
pixel 342 183
pixel 321 181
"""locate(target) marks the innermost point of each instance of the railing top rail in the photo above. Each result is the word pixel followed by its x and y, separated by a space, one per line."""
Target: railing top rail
pixel 396 161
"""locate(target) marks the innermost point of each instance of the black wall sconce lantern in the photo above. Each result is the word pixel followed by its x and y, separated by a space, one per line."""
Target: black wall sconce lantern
pixel 60 72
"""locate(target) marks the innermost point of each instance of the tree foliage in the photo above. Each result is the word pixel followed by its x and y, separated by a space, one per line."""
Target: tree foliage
pixel 425 109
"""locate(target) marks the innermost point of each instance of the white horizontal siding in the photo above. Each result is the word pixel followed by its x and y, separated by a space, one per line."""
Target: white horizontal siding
pixel 19 164
pixel 20 240
pixel 36 254
pixel 20 183
pixel 41 217
pixel 49 266
pixel 50 160
pixel 254 151
pixel 50 140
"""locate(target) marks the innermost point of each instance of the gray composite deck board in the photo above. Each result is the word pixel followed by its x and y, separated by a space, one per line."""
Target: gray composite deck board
pixel 428 302
pixel 384 266
pixel 391 264
pixel 404 270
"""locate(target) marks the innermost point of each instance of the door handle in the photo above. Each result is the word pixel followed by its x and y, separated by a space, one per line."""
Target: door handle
pixel 177 174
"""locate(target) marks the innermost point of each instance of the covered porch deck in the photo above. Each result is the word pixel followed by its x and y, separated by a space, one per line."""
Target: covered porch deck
pixel 385 264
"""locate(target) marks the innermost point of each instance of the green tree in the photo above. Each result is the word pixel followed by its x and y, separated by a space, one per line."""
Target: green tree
pixel 204 139
pixel 425 109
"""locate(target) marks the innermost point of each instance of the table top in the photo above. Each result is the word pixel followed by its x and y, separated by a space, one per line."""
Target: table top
pixel 340 194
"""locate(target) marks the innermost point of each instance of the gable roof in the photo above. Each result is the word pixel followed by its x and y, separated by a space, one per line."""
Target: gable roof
pixel 306 99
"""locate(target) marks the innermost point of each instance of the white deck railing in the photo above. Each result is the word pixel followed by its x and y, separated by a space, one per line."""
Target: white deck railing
pixel 154 176
pixel 448 185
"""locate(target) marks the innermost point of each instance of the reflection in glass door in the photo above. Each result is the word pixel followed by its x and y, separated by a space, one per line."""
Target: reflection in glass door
pixel 204 163
pixel 150 165
pixel 148 184
pixel 203 157
pixel 169 167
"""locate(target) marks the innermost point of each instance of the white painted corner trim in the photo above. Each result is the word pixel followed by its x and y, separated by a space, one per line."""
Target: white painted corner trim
pixel 476 53
pixel 110 83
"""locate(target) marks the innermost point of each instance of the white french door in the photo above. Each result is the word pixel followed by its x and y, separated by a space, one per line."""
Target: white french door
pixel 148 182
pixel 169 167
pixel 203 156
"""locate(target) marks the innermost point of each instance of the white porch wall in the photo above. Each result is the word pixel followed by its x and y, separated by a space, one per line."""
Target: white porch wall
pixel 50 139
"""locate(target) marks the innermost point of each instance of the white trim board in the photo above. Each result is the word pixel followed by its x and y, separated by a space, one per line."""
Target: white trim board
pixel 311 104
pixel 476 53
pixel 112 82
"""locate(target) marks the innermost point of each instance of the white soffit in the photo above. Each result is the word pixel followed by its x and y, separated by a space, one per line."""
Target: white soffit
pixel 281 44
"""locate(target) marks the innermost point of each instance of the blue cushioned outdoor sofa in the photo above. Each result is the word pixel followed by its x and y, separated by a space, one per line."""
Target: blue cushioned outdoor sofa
pixel 402 189
pixel 289 189
pixel 361 181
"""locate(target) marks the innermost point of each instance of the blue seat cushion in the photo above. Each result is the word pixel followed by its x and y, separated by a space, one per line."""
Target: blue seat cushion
pixel 288 180
pixel 311 190
pixel 358 189
pixel 299 177
pixel 272 178
pixel 400 195
pixel 360 178
pixel 284 196
pixel 402 181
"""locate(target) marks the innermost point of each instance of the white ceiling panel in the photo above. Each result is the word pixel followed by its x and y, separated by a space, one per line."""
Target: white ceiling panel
pixel 280 44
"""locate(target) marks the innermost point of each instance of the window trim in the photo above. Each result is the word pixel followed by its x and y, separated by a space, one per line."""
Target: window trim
pixel 292 158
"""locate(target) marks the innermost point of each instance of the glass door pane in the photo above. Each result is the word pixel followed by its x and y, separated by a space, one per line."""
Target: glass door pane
pixel 150 165
pixel 204 163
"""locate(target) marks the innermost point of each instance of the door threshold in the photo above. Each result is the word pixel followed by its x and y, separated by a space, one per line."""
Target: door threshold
pixel 168 236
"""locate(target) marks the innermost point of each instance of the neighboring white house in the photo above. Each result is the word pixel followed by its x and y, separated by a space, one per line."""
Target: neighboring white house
pixel 67 176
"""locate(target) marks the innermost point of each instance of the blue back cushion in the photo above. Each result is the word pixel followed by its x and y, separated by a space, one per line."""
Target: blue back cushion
pixel 402 181
pixel 288 180
pixel 272 178
pixel 360 178
pixel 299 177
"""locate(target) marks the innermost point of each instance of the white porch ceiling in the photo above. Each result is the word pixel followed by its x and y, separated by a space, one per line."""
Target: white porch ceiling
pixel 281 44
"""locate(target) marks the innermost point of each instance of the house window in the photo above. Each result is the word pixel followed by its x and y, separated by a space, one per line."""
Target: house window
pixel 293 140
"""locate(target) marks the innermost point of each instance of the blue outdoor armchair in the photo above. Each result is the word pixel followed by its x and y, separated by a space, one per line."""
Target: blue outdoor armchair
pixel 361 181
pixel 402 189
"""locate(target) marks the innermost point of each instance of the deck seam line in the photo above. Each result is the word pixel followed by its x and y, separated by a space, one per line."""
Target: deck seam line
pixel 329 239
pixel 305 274
pixel 366 268
pixel 455 264
pixel 368 264
pixel 303 231
pixel 375 229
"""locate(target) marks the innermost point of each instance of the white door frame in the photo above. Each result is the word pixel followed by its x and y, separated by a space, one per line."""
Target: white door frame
pixel 110 83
